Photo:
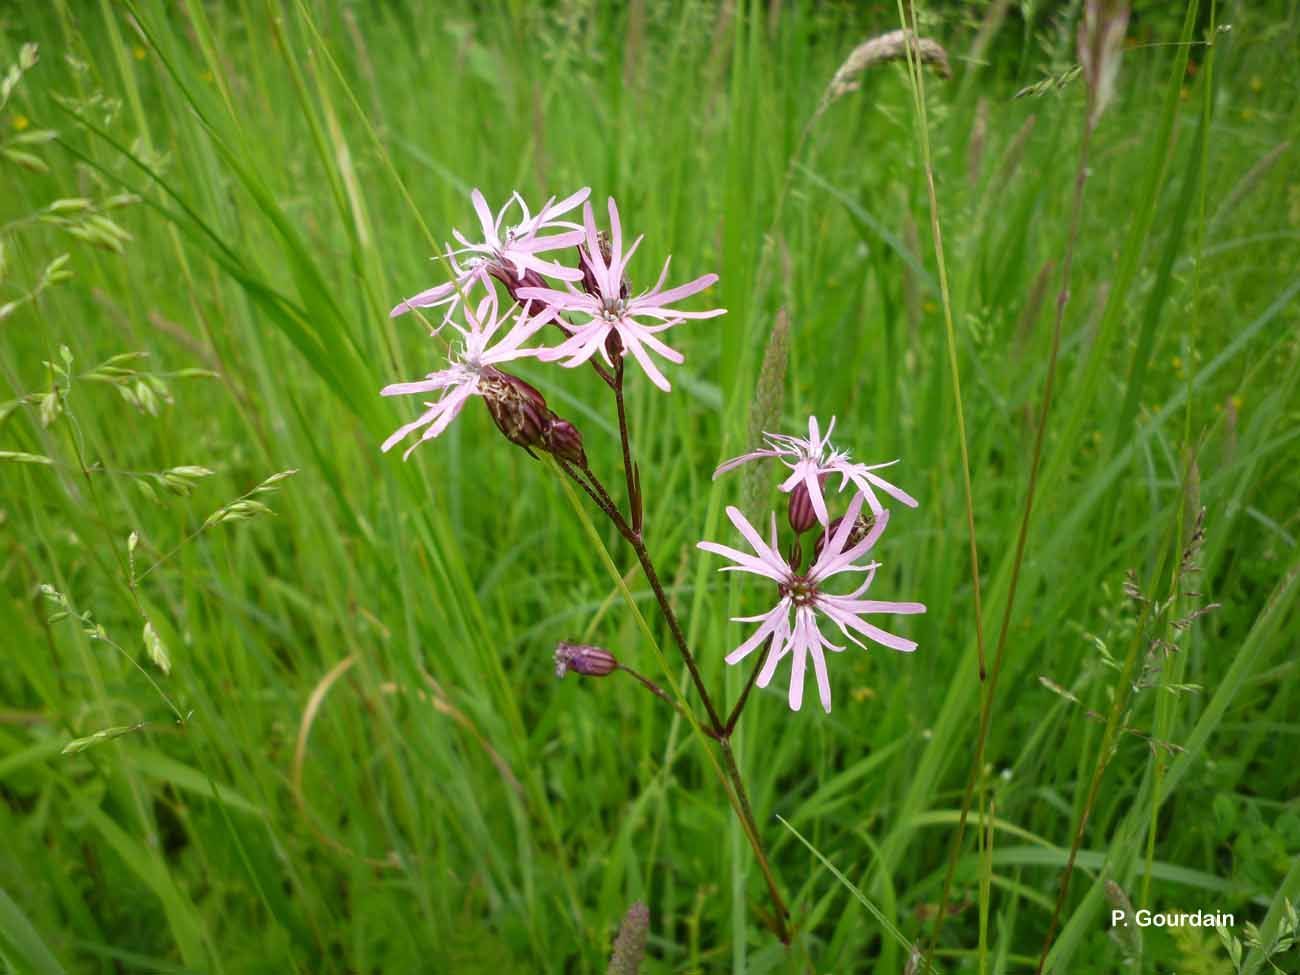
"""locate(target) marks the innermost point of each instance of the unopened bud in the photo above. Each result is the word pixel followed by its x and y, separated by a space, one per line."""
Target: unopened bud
pixel 564 440
pixel 584 660
pixel 518 410
pixel 614 346
pixel 801 513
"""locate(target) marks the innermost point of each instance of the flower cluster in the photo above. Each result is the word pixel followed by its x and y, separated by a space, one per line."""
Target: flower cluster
pixel 790 628
pixel 598 315
pixel 591 304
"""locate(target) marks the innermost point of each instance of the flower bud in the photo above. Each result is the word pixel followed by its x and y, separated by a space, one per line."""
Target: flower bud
pixel 584 660
pixel 866 521
pixel 801 513
pixel 563 440
pixel 518 410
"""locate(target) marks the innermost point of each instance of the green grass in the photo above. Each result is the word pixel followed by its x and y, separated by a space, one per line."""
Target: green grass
pixel 442 803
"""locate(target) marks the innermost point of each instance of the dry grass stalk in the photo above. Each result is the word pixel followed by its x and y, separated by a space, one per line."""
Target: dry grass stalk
pixel 886 47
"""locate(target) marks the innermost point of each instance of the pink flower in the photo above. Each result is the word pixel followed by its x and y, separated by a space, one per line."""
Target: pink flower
pixel 813 457
pixel 792 624
pixel 510 251
pixel 472 371
pixel 608 311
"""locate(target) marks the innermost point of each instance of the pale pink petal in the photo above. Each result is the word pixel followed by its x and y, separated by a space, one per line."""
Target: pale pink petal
pixel 552 211
pixel 667 351
pixel 857 551
pixel 425 298
pixel 735 462
pixel 751 535
pixel 437 380
pixel 654 311
pixel 400 433
pixel 579 347
pixel 744 562
pixel 890 640
pixel 535 245
pixel 890 489
pixel 772 621
pixel 813 482
pixel 659 298
pixel 799 647
pixel 485 220
pixel 633 344
pixel 560 300
pixel 614 277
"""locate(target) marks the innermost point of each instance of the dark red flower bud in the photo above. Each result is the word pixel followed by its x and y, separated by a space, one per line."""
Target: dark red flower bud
pixel 800 511
pixel 584 660
pixel 564 440
pixel 518 410
pixel 614 346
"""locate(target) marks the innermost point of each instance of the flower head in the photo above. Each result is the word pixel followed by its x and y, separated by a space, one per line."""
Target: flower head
pixel 792 624
pixel 508 252
pixel 811 458
pixel 585 660
pixel 636 321
pixel 472 371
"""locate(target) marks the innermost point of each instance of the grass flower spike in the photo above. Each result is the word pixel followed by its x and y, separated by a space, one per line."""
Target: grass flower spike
pixel 792 623
pixel 508 252
pixel 472 371
pixel 811 458
pixel 610 312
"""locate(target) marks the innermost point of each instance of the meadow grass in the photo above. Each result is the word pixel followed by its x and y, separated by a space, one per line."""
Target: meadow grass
pixel 374 767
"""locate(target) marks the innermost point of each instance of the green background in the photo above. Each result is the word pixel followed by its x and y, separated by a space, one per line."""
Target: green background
pixel 444 804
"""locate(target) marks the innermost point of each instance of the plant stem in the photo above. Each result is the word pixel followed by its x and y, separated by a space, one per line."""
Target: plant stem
pixel 749 686
pixel 675 627
pixel 716 729
pixel 633 493
pixel 660 693
pixel 751 829
pixel 999 652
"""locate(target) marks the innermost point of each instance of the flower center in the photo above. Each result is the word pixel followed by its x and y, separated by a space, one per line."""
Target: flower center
pixel 800 590
pixel 613 309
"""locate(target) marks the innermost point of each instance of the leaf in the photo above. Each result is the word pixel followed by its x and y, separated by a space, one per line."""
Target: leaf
pixel 19 457
pixel 108 734
pixel 21 944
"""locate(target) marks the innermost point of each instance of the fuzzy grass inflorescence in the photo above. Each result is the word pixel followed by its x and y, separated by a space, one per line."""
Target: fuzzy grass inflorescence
pixel 253 722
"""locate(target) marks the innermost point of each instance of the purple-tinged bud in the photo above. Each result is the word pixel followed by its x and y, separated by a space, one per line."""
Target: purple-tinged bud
pixel 518 410
pixel 584 660
pixel 513 282
pixel 801 513
pixel 564 440
pixel 614 346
